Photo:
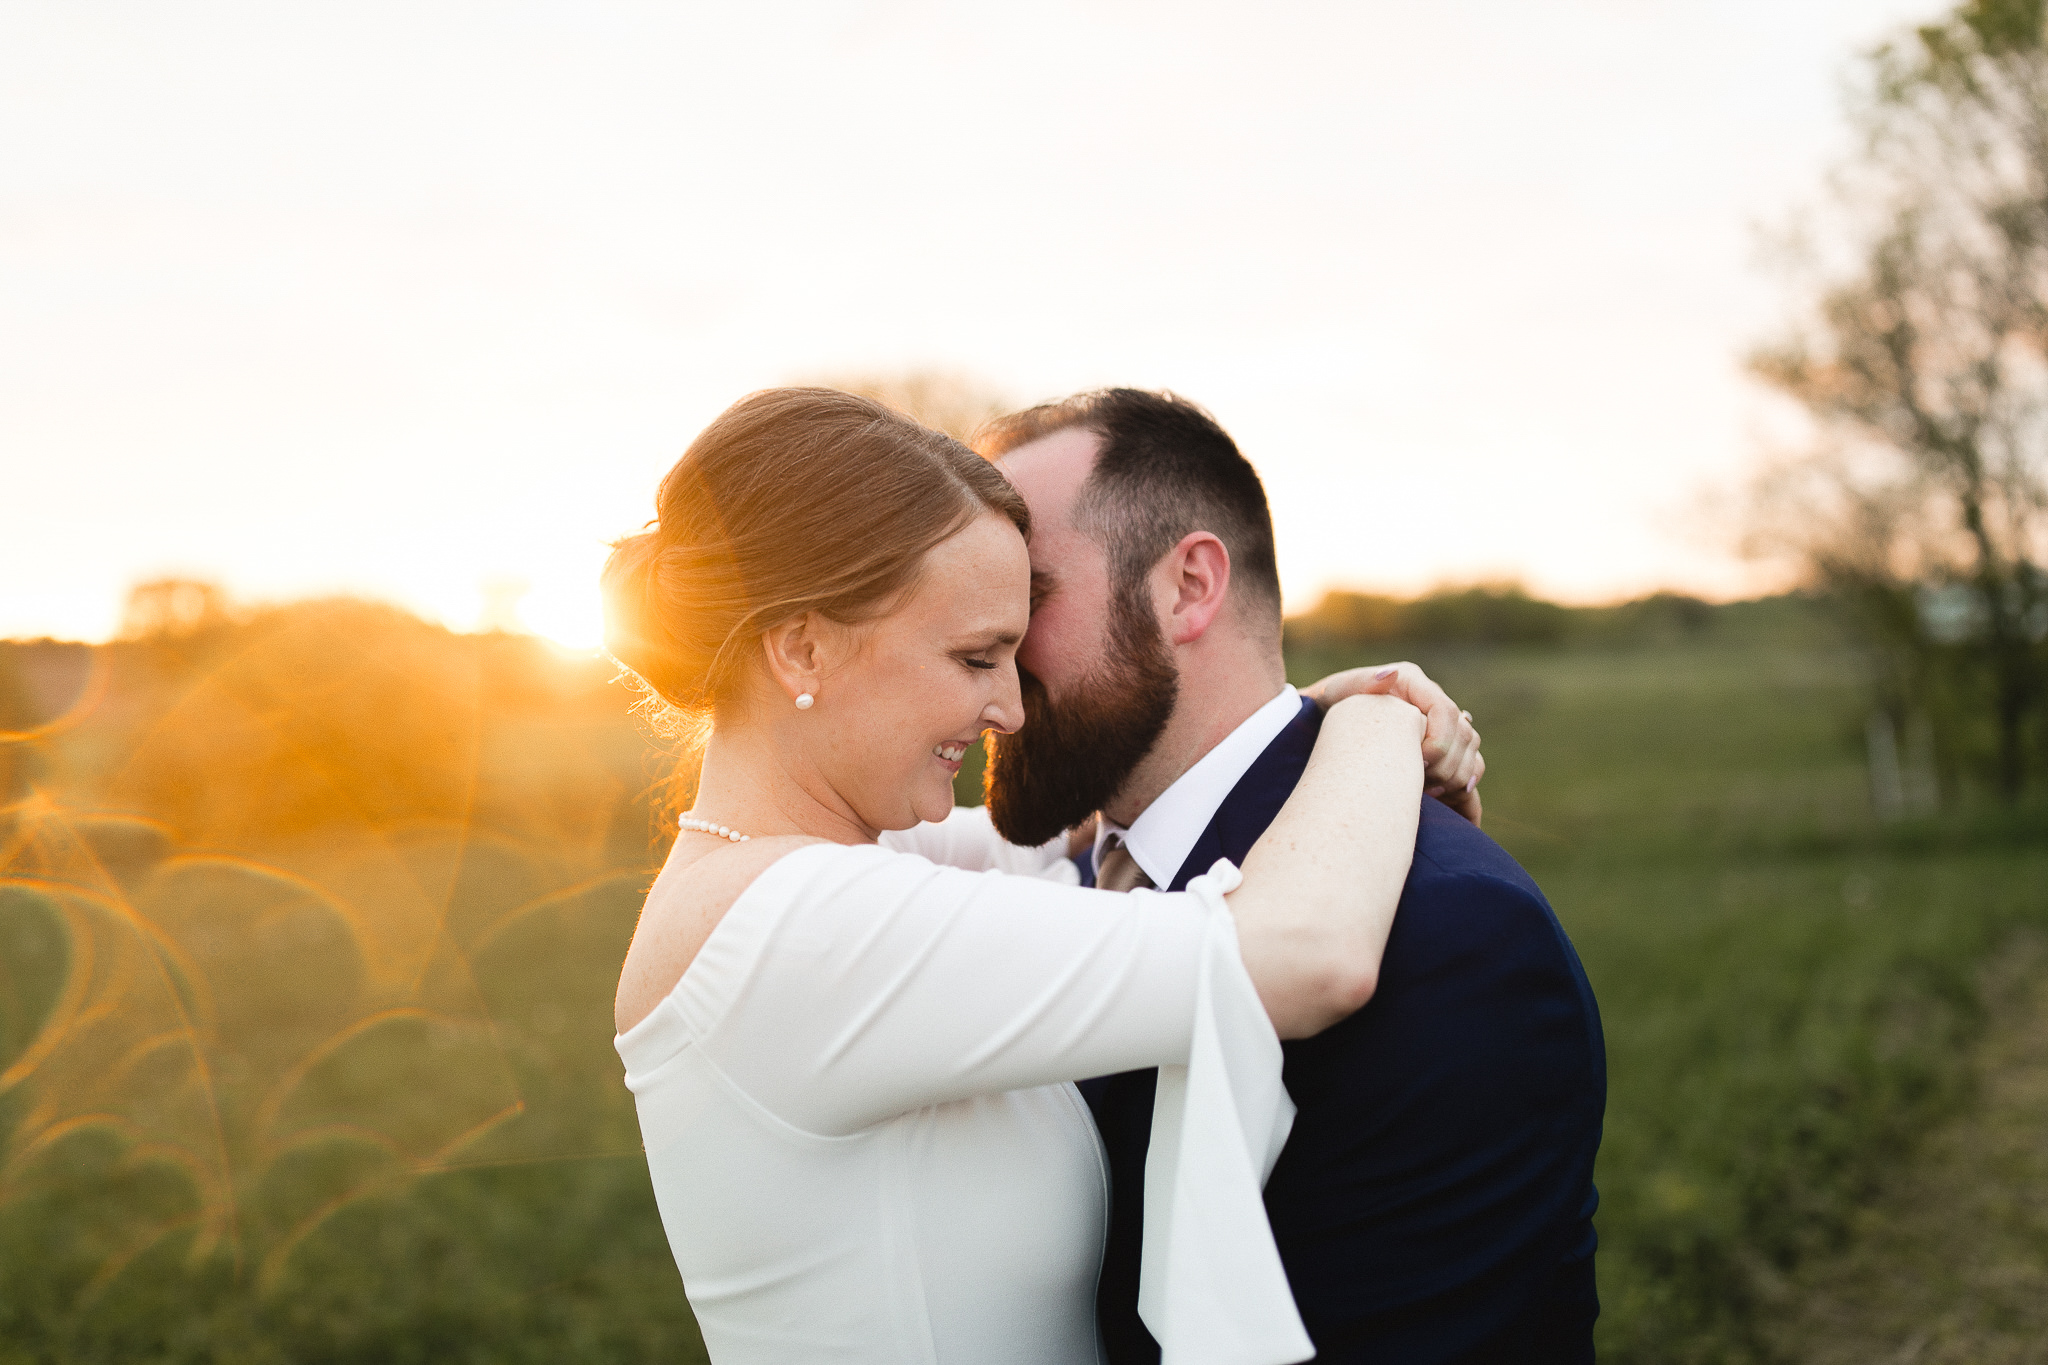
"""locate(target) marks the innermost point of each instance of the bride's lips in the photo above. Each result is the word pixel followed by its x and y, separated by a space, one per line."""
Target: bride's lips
pixel 950 752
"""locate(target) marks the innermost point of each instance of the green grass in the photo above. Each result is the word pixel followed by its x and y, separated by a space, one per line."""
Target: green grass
pixel 388 1124
pixel 1948 1265
pixel 1787 988
pixel 314 1062
pixel 536 1241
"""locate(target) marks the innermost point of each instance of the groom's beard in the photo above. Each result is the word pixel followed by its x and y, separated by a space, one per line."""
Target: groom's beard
pixel 1072 754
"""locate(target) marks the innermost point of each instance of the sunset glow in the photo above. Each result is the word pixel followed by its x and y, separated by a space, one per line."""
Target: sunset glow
pixel 1473 316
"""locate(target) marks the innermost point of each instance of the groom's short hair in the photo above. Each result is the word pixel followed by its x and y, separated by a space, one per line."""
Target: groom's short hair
pixel 1165 468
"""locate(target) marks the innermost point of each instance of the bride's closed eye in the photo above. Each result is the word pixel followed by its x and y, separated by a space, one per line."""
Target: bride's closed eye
pixel 986 653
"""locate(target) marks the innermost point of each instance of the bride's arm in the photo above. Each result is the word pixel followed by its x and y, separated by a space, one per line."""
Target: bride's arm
pixel 1451 763
pixel 1321 884
pixel 846 984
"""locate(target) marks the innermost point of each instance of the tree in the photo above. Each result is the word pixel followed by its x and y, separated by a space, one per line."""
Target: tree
pixel 1923 504
pixel 172 607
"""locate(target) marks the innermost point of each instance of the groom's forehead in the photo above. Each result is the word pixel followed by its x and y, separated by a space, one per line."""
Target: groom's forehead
pixel 1051 470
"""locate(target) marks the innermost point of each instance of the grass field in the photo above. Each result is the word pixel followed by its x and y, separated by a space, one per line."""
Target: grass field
pixel 313 1061
pixel 1788 988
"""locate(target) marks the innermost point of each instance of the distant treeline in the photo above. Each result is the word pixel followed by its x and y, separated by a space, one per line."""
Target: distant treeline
pixel 1508 615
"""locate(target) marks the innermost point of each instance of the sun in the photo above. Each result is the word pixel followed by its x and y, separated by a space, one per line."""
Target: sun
pixel 561 605
pixel 570 616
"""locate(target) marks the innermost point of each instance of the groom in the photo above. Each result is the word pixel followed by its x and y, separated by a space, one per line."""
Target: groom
pixel 1434 1201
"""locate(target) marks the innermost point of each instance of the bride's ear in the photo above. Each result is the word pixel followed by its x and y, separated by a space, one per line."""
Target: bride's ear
pixel 793 652
pixel 803 653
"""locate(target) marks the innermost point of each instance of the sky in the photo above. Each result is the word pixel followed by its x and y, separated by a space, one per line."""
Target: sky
pixel 418 302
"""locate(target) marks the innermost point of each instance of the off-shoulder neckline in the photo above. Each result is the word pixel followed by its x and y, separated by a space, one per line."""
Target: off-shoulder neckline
pixel 625 1038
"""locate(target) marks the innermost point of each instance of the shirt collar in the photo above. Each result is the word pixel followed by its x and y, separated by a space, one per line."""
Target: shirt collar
pixel 1163 835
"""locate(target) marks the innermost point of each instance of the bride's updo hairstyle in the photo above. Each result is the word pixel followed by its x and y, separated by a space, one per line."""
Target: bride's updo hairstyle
pixel 792 501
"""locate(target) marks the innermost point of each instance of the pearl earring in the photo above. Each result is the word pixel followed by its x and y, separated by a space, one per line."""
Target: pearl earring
pixel 804 700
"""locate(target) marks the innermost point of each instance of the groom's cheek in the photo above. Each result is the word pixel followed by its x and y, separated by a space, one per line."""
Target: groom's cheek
pixel 1055 644
pixel 1033 653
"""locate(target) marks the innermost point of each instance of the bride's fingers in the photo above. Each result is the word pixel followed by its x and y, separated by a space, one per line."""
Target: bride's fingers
pixel 1403 680
pixel 1374 679
pixel 1418 689
pixel 1471 767
pixel 1465 804
pixel 1446 735
pixel 1451 761
pixel 1439 738
pixel 1450 745
pixel 1461 791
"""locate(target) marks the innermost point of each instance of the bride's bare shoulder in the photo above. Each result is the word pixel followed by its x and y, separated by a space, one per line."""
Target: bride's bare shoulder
pixel 695 889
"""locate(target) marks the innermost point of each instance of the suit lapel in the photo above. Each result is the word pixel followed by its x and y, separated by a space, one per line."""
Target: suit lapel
pixel 1256 798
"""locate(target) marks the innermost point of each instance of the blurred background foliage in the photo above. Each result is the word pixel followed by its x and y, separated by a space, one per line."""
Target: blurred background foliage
pixel 309 921
pixel 310 917
pixel 1918 353
pixel 1789 969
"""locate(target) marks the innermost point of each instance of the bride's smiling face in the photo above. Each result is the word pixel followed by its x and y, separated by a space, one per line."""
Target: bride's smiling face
pixel 900 698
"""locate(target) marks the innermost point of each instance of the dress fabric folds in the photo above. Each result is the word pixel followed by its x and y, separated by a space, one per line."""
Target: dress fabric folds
pixel 863 1139
pixel 1211 1288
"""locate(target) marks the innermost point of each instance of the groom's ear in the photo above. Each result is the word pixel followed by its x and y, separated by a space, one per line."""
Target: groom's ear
pixel 1193 583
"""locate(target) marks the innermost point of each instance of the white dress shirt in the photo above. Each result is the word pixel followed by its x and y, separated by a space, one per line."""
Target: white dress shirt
pixel 1161 838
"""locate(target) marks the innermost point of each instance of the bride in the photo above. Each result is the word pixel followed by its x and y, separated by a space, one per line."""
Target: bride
pixel 851 1014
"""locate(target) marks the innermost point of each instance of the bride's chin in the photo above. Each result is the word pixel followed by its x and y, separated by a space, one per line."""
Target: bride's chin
pixel 933 805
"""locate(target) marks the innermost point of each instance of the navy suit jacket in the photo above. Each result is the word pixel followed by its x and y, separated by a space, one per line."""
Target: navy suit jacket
pixel 1434 1202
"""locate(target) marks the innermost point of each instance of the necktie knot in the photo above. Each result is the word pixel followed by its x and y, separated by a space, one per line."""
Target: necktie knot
pixel 1118 870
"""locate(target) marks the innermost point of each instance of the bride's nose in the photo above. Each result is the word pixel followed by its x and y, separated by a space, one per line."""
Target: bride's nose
pixel 1005 714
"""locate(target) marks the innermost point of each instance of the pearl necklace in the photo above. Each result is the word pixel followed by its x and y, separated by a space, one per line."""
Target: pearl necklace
pixel 706 827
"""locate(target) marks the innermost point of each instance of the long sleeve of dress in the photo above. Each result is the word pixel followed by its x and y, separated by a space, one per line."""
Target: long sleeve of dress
pixel 967 839
pixel 851 985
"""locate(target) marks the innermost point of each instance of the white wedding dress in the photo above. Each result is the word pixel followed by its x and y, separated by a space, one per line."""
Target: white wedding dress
pixel 863 1139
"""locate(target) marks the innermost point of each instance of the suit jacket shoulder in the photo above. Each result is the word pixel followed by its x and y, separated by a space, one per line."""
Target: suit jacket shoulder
pixel 1437 1189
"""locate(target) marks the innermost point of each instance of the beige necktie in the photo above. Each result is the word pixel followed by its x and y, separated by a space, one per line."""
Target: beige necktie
pixel 1119 871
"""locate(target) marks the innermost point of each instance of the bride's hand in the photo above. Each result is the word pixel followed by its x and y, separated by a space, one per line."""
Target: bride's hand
pixel 1452 765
